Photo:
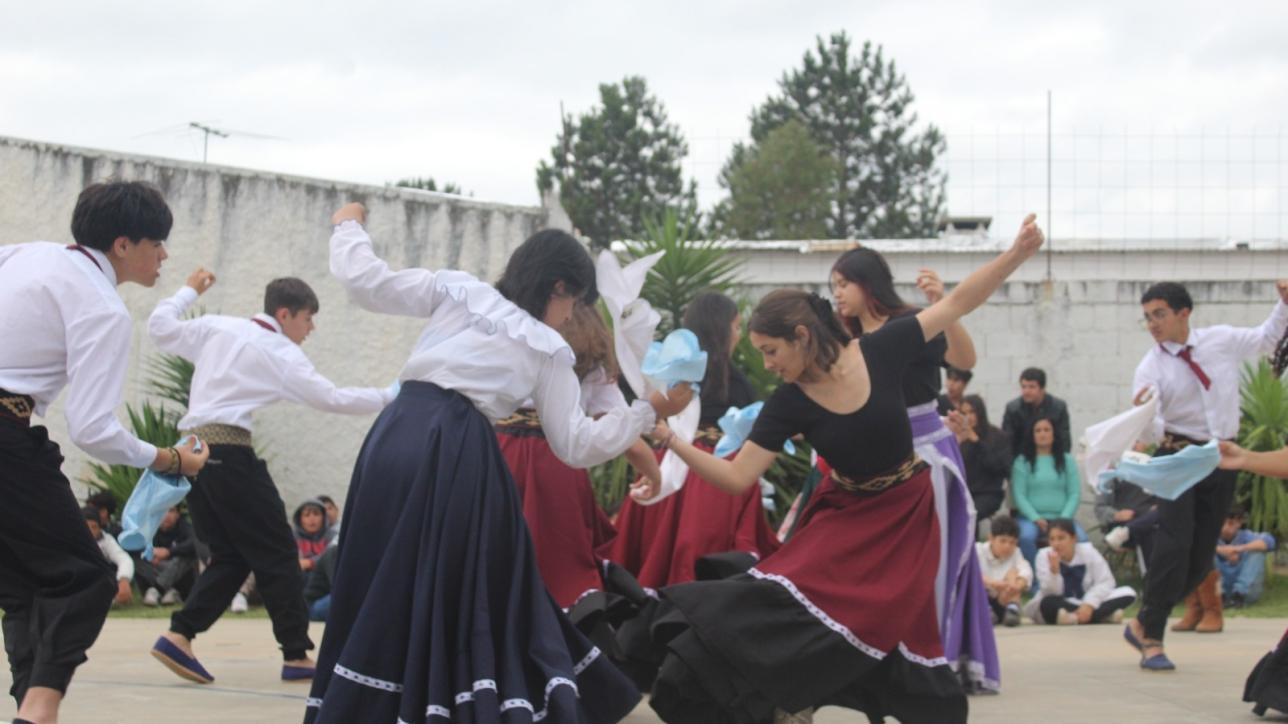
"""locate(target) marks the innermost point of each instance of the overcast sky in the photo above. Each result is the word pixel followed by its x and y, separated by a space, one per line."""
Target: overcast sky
pixel 470 92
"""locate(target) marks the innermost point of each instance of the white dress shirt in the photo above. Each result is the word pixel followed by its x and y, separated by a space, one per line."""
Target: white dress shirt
pixel 241 367
pixel 1185 407
pixel 1098 583
pixel 63 324
pixel 481 345
pixel 995 568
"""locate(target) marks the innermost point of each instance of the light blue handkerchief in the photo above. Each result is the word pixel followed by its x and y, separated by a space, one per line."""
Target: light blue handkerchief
pixel 1168 476
pixel 676 359
pixel 153 495
pixel 736 425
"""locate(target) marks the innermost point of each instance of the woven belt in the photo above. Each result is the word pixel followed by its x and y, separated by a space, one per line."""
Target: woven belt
pixel 1173 442
pixel 878 483
pixel 16 408
pixel 524 418
pixel 216 434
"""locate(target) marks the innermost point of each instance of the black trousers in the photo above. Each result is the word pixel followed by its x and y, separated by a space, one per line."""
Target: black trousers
pixel 1142 529
pixel 1050 606
pixel 55 585
pixel 1184 544
pixel 238 512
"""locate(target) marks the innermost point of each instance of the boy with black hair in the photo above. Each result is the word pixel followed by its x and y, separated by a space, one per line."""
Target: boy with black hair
pixel 64 325
pixel 1195 374
pixel 954 389
pixel 241 366
pixel 1007 575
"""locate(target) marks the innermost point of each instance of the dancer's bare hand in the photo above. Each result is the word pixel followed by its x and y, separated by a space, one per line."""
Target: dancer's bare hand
pixel 645 489
pixel 1233 457
pixel 673 402
pixel 1030 237
pixel 352 211
pixel 1053 561
pixel 1282 287
pixel 930 284
pixel 1142 396
pixel 201 279
pixel 123 593
pixel 662 433
pixel 193 460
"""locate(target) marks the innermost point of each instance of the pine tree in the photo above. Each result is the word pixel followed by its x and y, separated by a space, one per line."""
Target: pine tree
pixel 780 188
pixel 618 164
pixel 859 109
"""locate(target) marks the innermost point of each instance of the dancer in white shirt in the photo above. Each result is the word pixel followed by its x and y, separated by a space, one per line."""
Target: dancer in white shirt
pixel 242 365
pixel 1195 372
pixel 63 324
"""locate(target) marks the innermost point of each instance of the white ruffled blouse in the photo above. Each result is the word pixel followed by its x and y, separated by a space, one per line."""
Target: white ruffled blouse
pixel 483 346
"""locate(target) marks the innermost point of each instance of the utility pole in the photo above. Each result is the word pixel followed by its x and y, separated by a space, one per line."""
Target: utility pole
pixel 205 143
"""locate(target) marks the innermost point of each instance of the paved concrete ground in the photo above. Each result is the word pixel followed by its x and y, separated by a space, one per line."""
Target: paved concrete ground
pixel 1051 675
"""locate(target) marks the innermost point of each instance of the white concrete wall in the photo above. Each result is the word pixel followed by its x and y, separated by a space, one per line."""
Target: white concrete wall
pixel 251 227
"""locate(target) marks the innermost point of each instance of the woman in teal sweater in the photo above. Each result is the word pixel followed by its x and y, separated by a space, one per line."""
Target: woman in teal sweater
pixel 1045 484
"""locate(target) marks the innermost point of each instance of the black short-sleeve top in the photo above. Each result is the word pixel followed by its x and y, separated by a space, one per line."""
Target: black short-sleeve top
pixel 922 381
pixel 740 393
pixel 871 440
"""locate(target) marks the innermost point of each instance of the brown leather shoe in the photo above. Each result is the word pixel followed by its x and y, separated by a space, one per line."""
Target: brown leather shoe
pixel 1209 592
pixel 1193 614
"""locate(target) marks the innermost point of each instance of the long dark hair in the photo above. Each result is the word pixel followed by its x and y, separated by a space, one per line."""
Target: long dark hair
pixel 548 257
pixel 982 428
pixel 867 268
pixel 710 317
pixel 782 311
pixel 1057 445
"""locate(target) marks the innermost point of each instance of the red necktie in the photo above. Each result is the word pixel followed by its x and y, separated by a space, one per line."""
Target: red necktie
pixel 1198 371
pixel 269 327
pixel 83 250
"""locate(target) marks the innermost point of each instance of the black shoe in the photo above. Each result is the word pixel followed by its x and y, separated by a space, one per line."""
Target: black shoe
pixel 1237 600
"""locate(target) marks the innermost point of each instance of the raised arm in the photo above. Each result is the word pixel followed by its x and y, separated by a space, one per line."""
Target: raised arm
pixel 1270 464
pixel 369 280
pixel 167 327
pixel 732 476
pixel 1262 339
pixel 961 348
pixel 975 289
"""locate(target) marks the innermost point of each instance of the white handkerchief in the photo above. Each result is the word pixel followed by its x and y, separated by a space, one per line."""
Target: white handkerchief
pixel 634 320
pixel 1107 441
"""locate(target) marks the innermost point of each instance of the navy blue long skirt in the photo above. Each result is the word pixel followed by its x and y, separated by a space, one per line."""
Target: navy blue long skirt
pixel 438 612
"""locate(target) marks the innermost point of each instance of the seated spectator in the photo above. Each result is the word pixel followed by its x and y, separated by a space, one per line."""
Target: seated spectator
pixel 1128 517
pixel 317 590
pixel 954 390
pixel 987 456
pixel 1032 404
pixel 169 576
pixel 1075 583
pixel 332 513
pixel 1006 574
pixel 312 533
pixel 114 553
pixel 105 503
pixel 1045 484
pixel 1241 559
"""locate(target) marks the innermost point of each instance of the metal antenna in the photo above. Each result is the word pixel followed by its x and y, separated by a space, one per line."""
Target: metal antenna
pixel 208 131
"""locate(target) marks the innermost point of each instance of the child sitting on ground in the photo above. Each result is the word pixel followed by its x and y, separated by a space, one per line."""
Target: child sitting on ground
pixel 1076 584
pixel 1006 574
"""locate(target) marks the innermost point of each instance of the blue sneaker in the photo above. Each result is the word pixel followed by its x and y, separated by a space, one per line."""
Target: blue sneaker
pixel 297 673
pixel 1157 662
pixel 187 667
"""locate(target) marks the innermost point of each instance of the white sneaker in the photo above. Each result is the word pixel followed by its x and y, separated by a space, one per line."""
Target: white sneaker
pixel 151 597
pixel 1117 537
pixel 1066 618
pixel 171 598
pixel 239 604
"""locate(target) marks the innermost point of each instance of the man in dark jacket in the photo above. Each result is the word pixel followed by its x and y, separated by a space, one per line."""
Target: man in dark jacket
pixel 1032 404
pixel 169 576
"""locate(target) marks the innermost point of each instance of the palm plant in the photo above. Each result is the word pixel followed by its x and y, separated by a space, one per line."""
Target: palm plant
pixel 1264 427
pixel 692 265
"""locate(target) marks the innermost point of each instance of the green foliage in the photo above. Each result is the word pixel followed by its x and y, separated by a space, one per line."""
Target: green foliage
pixel 170 378
pixel 428 184
pixel 692 265
pixel 150 423
pixel 619 164
pixel 780 188
pixel 1264 427
pixel 859 109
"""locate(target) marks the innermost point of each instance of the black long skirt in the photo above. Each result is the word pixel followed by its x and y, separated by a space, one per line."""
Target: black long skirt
pixel 438 610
